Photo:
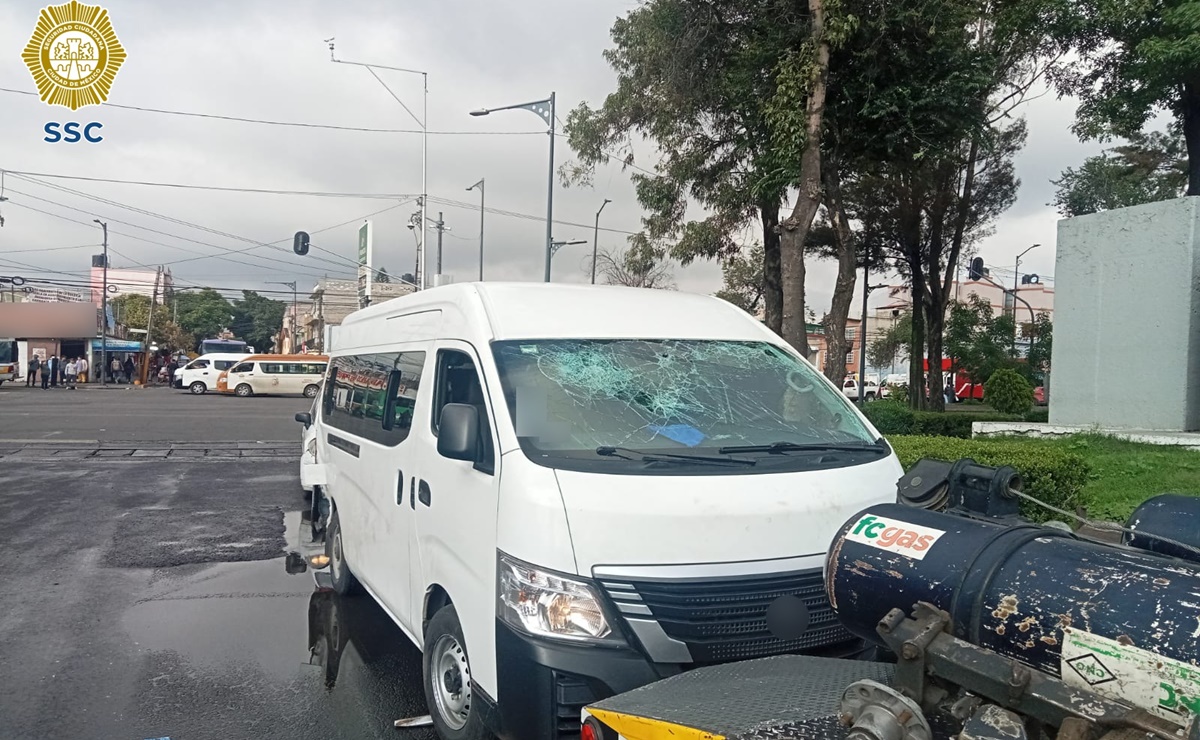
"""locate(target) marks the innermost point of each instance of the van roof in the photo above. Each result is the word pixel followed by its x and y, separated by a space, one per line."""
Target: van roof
pixel 288 358
pixel 556 310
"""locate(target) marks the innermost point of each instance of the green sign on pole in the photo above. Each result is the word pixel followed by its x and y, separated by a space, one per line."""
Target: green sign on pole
pixel 362 242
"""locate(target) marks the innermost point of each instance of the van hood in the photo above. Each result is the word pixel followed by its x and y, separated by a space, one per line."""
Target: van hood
pixel 625 520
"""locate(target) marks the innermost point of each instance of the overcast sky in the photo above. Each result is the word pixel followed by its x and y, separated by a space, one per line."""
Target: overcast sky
pixel 268 60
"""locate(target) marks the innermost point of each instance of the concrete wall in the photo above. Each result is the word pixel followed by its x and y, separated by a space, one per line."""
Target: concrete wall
pixel 1127 325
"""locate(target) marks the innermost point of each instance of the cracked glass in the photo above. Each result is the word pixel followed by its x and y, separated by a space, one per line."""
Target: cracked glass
pixel 569 397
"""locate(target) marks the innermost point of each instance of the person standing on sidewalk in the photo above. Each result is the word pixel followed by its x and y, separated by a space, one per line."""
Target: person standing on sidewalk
pixel 34 365
pixel 81 365
pixel 70 371
pixel 128 370
pixel 54 366
pixel 114 369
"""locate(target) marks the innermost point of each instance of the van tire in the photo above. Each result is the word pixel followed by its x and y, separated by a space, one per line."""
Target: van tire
pixel 244 390
pixel 310 391
pixel 199 388
pixel 871 396
pixel 445 667
pixel 344 582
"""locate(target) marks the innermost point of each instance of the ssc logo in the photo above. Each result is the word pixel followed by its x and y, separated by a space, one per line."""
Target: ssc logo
pixel 73 55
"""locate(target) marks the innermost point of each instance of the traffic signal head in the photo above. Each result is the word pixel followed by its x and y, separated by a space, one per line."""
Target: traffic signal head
pixel 300 243
pixel 977 270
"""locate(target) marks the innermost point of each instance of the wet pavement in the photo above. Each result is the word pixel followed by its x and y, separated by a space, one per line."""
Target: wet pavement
pixel 148 598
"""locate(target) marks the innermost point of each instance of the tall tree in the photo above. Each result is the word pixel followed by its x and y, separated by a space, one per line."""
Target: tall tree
pixel 133 311
pixel 382 276
pixel 204 313
pixel 1139 57
pixel 257 319
pixel 979 341
pixel 1150 168
pixel 742 278
pixel 697 78
pixel 633 270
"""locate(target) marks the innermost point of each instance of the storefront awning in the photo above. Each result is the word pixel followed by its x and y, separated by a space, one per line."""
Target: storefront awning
pixel 118 345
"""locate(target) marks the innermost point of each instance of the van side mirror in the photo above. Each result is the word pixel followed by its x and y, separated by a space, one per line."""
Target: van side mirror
pixel 304 418
pixel 458 432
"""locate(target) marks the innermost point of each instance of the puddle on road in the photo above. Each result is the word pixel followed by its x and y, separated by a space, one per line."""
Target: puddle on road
pixel 265 649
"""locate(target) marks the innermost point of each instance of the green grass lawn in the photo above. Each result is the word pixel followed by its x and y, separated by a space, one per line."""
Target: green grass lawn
pixel 1124 474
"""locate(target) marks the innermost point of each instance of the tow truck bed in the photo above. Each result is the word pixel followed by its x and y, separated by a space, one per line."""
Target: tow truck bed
pixel 794 697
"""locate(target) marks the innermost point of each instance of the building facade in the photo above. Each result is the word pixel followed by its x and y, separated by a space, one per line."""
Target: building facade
pixel 124 281
pixel 329 303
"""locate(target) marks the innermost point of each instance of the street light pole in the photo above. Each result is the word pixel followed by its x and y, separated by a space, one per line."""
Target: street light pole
pixel 596 239
pixel 423 122
pixel 1016 278
pixel 480 186
pixel 544 109
pixel 104 311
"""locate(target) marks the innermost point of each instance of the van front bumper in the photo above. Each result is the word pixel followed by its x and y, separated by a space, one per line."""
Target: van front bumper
pixel 544 684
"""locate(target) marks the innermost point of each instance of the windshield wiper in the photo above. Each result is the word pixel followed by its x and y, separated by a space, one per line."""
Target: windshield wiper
pixel 630 454
pixel 781 447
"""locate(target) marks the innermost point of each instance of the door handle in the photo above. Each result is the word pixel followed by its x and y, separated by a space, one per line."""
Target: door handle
pixel 399 488
pixel 424 493
pixel 412 493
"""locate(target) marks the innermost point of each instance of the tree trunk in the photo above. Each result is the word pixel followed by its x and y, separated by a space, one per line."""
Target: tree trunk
pixel 843 289
pixel 934 330
pixel 772 288
pixel 916 360
pixel 794 229
pixel 1191 134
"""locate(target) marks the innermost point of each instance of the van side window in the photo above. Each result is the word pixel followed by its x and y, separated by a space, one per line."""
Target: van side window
pixel 244 367
pixel 272 368
pixel 200 364
pixel 458 382
pixel 356 395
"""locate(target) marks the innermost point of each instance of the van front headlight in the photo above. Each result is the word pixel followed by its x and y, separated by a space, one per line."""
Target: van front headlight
pixel 548 604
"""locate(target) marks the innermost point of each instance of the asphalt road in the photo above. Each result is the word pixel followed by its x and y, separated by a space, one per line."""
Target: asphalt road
pixel 126 413
pixel 149 599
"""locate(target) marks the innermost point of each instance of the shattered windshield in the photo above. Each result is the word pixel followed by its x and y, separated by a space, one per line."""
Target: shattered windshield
pixel 570 397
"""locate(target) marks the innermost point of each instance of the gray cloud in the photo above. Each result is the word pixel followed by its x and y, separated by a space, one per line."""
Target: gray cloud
pixel 267 60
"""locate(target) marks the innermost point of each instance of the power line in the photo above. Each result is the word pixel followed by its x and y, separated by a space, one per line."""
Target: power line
pixel 296 124
pixel 181 186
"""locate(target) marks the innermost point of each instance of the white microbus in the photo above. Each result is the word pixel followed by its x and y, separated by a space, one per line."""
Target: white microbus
pixel 279 375
pixel 561 492
pixel 200 375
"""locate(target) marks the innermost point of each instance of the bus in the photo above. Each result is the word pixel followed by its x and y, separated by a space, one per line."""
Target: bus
pixel 9 362
pixel 225 346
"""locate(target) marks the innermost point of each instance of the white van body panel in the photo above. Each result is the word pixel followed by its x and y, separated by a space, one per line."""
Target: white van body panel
pixel 531 523
pixel 690 519
pixel 190 373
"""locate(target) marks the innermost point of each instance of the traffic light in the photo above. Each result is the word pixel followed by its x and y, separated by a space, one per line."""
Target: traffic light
pixel 300 243
pixel 976 271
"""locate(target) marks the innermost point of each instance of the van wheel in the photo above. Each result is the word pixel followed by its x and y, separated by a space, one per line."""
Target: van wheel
pixel 310 391
pixel 244 390
pixel 447 673
pixel 870 396
pixel 198 388
pixel 344 582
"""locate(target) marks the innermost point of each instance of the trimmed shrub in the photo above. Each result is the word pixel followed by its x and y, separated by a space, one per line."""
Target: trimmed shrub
pixel 1008 392
pixel 1051 475
pixel 1040 415
pixel 890 417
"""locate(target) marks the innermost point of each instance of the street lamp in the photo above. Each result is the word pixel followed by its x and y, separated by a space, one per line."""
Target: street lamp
pixel 104 310
pixel 596 239
pixel 1016 278
pixel 544 109
pixel 480 186
pixel 555 246
pixel 423 122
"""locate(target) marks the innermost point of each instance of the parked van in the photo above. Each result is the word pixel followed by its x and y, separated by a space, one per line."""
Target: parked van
pixel 564 492
pixel 275 374
pixel 200 375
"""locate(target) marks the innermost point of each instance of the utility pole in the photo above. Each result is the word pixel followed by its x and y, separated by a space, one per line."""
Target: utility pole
pixel 440 227
pixel 149 326
pixel 104 311
pixel 596 239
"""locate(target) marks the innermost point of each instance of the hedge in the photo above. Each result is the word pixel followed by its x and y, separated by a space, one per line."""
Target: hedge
pixel 1049 474
pixel 890 417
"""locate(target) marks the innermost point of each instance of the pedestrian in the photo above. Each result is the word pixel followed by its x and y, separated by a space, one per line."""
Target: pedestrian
pixel 114 369
pixel 82 366
pixel 55 366
pixel 128 369
pixel 70 372
pixel 46 373
pixel 172 368
pixel 35 364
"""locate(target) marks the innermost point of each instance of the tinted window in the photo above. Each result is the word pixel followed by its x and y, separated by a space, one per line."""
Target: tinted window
pixel 359 389
pixel 201 364
pixel 223 364
pixel 272 368
pixel 244 367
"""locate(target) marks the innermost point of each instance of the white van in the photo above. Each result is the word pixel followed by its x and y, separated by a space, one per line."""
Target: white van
pixel 278 375
pixel 562 492
pixel 200 375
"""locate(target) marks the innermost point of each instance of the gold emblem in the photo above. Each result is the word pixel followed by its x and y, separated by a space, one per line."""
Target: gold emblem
pixel 74 55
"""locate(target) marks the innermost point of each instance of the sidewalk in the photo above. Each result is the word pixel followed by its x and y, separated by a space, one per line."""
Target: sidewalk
pixel 20 384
